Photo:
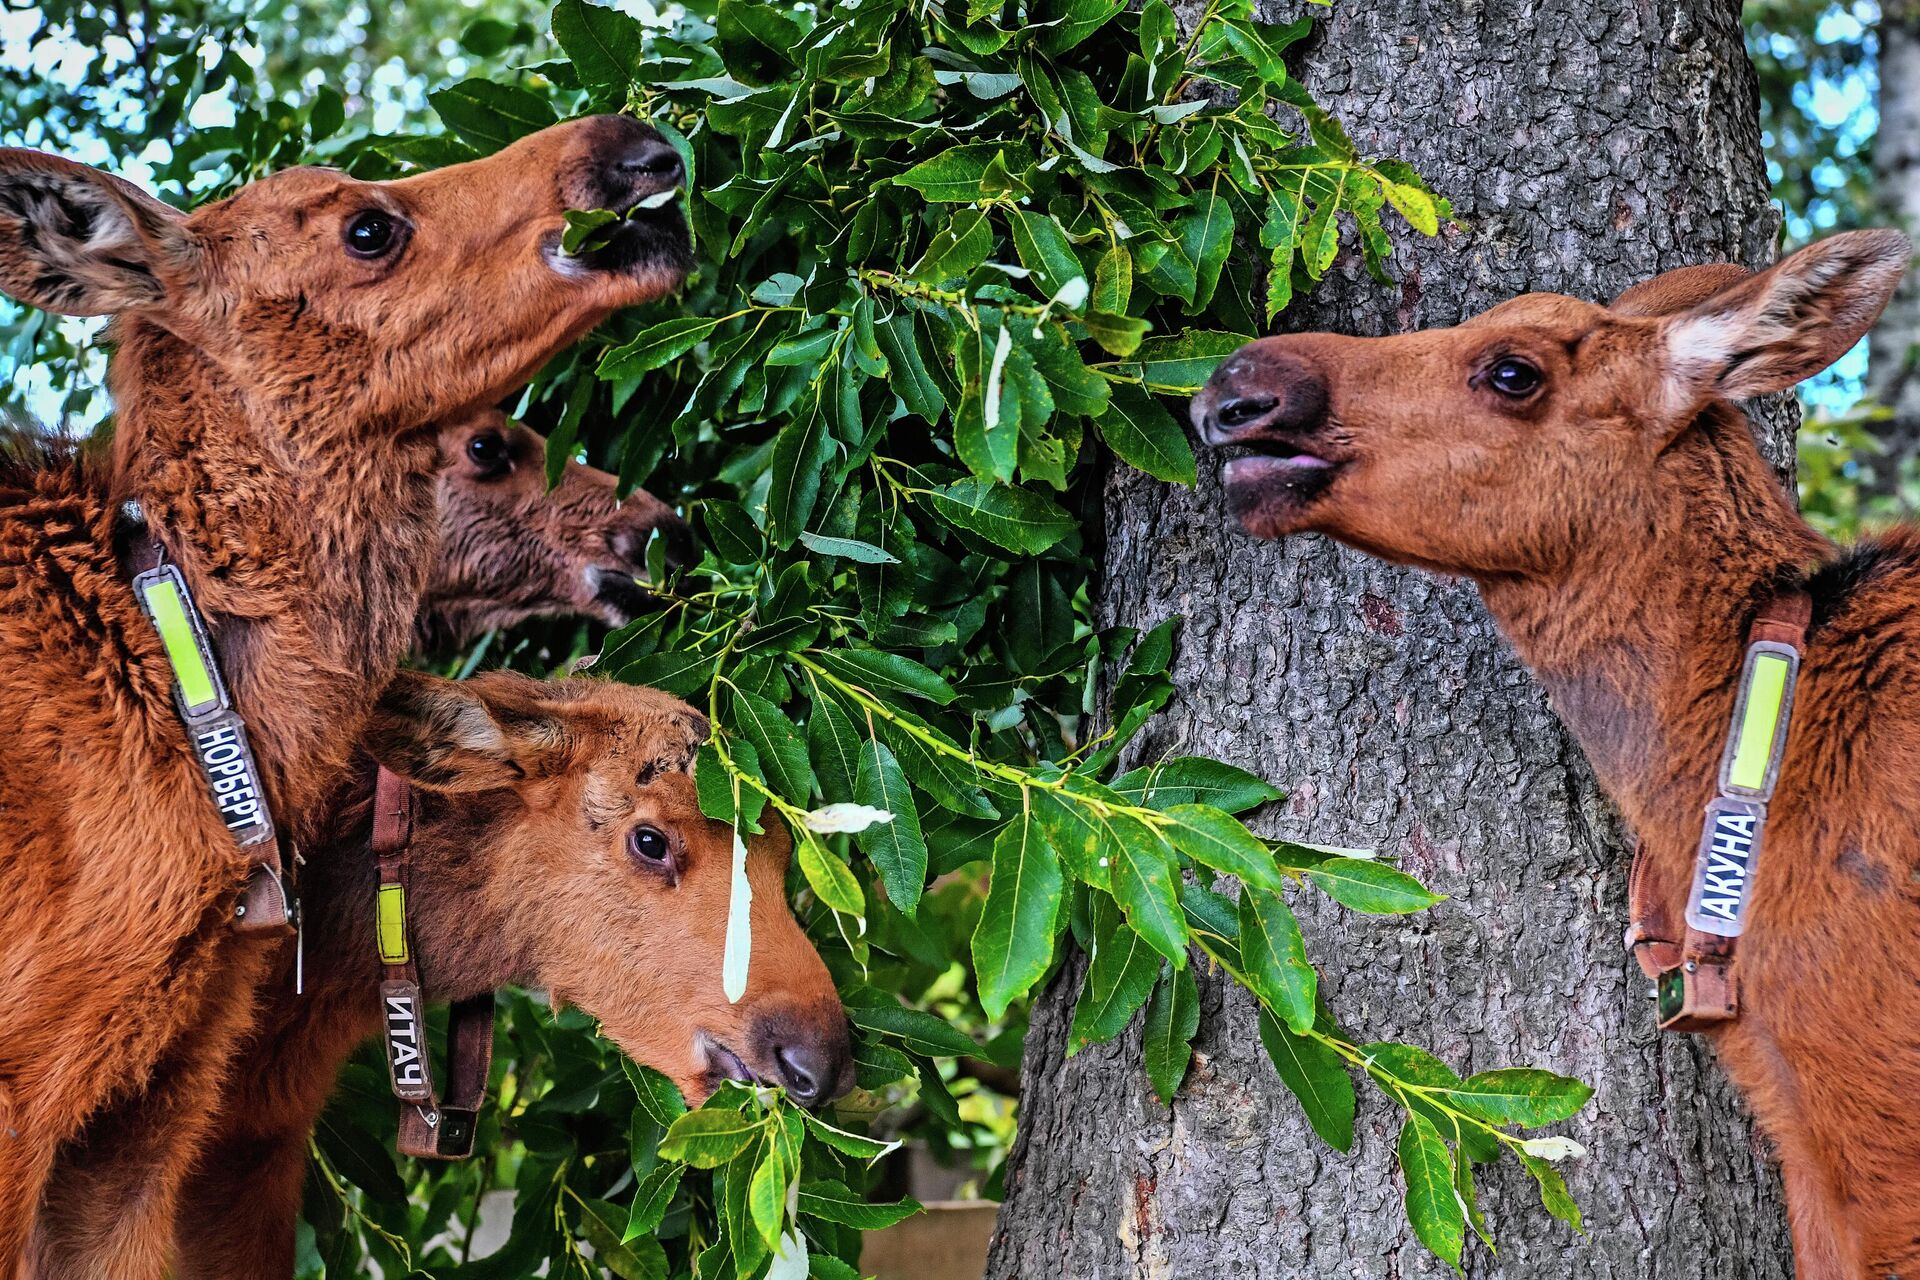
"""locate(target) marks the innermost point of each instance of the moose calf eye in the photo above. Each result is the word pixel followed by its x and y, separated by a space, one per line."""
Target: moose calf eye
pixel 1512 376
pixel 488 451
pixel 649 847
pixel 370 234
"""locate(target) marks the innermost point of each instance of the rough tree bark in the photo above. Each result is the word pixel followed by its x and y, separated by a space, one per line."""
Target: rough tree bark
pixel 1893 349
pixel 1586 145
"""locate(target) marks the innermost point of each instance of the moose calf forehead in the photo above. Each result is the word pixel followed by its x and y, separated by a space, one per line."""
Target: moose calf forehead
pixel 1555 311
pixel 297 193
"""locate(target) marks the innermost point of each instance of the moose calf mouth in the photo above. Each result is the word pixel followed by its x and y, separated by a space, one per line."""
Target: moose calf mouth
pixel 620 596
pixel 646 239
pixel 723 1064
pixel 1270 484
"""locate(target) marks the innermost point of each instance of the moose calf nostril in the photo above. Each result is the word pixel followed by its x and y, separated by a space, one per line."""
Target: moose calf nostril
pixel 657 161
pixel 800 1072
pixel 1241 410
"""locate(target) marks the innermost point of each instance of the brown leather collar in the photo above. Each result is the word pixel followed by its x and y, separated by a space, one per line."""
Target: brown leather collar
pixel 429 1126
pixel 1695 969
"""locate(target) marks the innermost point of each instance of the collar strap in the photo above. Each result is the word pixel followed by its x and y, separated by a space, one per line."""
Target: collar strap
pixel 429 1127
pixel 1695 981
pixel 215 730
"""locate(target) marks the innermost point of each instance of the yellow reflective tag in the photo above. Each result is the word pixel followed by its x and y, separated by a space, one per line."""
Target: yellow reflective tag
pixel 1753 751
pixel 183 651
pixel 391 928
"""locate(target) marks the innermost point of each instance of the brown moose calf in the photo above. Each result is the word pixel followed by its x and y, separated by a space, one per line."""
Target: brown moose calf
pixel 557 843
pixel 511 550
pixel 282 359
pixel 1586 466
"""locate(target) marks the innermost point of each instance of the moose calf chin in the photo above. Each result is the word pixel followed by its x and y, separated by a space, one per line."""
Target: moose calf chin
pixel 558 844
pixel 1588 468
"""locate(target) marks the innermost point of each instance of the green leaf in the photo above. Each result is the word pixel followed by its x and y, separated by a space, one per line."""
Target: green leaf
pixel 1119 980
pixel 1372 887
pixel 834 746
pixel 757 40
pixel 776 740
pixel 1044 249
pixel 1275 958
pixel 921 1032
pixel 1144 434
pixel 1432 1206
pixel 955 175
pixel 1207 236
pixel 1316 1077
pixel 848 549
pixel 1013 944
pixel 1119 335
pixel 829 877
pixel 709 1137
pixel 767 1196
pixel 1196 780
pixel 639 1259
pixel 490 115
pixel 603 44
pixel 681 674
pixel 1553 1191
pixel 651 1200
pixel 956 248
pixel 1146 885
pixel 1415 205
pixel 654 347
pixel 856 1145
pixel 1526 1096
pixel 909 376
pixel 883 673
pixel 896 848
pixel 1173 1016
pixel 801 453
pixel 659 1097
pixel 1007 515
pixel 1214 839
pixel 1112 282
pixel 833 1202
pixel 1182 363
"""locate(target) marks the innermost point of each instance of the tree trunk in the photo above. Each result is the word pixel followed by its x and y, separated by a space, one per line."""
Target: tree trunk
pixel 1893 349
pixel 1586 146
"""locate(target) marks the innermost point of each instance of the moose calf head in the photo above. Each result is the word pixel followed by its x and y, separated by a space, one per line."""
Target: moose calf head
pixel 316 293
pixel 1506 444
pixel 560 845
pixel 511 550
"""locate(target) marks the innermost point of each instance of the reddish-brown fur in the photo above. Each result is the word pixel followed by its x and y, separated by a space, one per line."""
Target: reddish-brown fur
pixel 274 395
pixel 521 871
pixel 1624 530
pixel 510 550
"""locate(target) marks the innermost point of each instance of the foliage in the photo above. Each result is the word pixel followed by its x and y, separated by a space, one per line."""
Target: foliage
pixel 948 252
pixel 1816 63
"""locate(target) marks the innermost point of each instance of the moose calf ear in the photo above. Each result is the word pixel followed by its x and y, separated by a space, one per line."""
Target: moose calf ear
pixel 467 735
pixel 1772 330
pixel 80 242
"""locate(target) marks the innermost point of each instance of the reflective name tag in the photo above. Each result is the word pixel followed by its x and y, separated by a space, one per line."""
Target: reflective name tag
pixel 406 1041
pixel 216 731
pixel 1723 880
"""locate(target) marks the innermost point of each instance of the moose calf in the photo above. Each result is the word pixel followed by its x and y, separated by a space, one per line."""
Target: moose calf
pixel 1587 467
pixel 558 843
pixel 511 550
pixel 283 358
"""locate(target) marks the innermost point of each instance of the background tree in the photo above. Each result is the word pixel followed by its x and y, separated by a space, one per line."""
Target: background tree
pixel 1893 370
pixel 1585 147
